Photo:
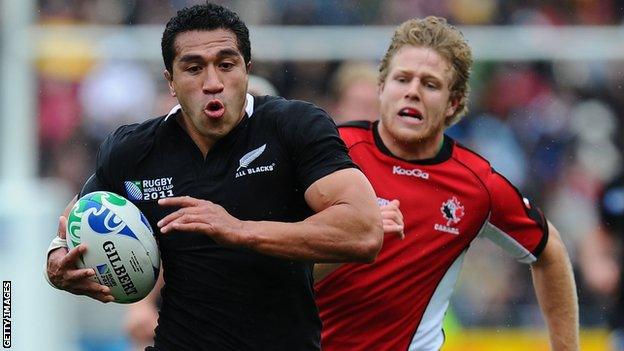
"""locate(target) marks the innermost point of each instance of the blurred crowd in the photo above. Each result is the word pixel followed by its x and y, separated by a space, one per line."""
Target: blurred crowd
pixel 553 128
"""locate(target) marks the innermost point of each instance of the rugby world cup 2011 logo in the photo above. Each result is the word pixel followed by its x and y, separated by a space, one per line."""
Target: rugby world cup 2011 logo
pixel 134 188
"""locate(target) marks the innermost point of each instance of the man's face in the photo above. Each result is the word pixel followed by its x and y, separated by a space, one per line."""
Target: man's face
pixel 415 102
pixel 210 82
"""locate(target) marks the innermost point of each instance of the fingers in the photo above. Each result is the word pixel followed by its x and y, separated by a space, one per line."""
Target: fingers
pixel 75 275
pixel 61 231
pixel 393 215
pixel 391 227
pixel 164 224
pixel 187 215
pixel 183 215
pixel 97 295
pixel 72 257
pixel 393 218
pixel 186 202
pixel 80 282
pixel 104 298
pixel 181 201
pixel 94 290
pixel 64 275
pixel 391 208
pixel 91 288
pixel 188 227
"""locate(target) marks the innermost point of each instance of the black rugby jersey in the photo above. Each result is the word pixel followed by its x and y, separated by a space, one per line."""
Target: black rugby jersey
pixel 224 298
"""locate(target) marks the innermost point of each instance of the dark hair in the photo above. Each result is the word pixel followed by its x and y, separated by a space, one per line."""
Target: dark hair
pixel 204 17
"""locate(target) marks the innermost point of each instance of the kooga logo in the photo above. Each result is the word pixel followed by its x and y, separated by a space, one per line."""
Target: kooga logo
pixel 410 172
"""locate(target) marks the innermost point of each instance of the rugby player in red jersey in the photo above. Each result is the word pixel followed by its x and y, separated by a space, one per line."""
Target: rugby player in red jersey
pixel 448 196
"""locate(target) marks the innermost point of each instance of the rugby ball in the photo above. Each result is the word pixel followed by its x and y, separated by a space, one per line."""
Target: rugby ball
pixel 121 247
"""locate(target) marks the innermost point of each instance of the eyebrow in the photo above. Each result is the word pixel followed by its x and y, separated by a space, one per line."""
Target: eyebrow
pixel 228 53
pixel 427 75
pixel 221 54
pixel 191 58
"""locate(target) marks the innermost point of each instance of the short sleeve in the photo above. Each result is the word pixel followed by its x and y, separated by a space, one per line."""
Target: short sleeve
pixel 515 224
pixel 108 166
pixel 314 144
pixel 611 206
pixel 102 165
pixel 92 184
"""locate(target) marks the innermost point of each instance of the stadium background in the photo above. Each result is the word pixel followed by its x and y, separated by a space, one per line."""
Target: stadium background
pixel 545 108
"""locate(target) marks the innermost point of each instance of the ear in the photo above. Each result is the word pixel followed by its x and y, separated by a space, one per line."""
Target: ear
pixel 380 88
pixel 452 106
pixel 169 79
pixel 248 66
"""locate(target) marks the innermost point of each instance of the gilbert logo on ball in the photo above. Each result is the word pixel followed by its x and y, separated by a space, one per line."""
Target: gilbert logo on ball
pixel 120 244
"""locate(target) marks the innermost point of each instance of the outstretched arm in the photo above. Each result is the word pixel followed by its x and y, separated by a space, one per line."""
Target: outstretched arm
pixel 347 225
pixel 556 293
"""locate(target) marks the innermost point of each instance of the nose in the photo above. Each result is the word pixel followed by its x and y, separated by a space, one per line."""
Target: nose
pixel 212 82
pixel 413 90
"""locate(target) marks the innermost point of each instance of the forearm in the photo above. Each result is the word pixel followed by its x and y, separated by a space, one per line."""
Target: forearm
pixel 347 225
pixel 556 292
pixel 339 233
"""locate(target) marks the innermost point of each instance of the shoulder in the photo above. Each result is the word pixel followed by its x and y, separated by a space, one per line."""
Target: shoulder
pixel 284 110
pixel 131 140
pixel 474 162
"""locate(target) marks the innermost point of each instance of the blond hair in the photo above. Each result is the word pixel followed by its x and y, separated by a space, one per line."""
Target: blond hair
pixel 435 33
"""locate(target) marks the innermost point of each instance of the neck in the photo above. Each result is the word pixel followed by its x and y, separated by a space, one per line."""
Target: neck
pixel 203 143
pixel 412 150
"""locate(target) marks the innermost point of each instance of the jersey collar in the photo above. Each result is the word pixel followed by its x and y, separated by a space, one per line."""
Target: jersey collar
pixel 249 107
pixel 444 154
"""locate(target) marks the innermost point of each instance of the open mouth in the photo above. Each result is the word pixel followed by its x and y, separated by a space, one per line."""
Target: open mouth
pixel 214 109
pixel 411 112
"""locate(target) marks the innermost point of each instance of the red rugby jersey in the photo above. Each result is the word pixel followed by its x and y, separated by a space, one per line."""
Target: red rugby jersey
pixel 398 302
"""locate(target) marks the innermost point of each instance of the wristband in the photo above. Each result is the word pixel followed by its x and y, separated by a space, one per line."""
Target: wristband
pixel 55 244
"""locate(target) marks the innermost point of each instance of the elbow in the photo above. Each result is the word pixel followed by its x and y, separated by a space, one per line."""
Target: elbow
pixel 371 244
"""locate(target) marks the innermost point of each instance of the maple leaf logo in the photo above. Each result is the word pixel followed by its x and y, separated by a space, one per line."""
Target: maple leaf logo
pixel 452 210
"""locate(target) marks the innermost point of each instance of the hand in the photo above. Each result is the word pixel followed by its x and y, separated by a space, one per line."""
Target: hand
pixel 392 218
pixel 141 320
pixel 201 216
pixel 64 273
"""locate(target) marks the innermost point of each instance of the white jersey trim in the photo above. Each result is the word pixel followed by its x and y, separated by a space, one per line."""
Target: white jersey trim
pixel 249 107
pixel 507 243
pixel 429 335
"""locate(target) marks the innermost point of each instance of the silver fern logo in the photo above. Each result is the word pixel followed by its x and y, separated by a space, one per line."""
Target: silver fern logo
pixel 250 157
pixel 244 162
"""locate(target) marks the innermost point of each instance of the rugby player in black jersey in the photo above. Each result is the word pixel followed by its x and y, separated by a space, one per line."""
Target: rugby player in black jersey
pixel 247 193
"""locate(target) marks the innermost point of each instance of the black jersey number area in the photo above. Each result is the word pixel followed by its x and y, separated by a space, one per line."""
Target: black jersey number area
pixel 223 298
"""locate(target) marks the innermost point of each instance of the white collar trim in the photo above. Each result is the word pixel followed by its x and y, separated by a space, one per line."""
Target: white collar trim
pixel 249 107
